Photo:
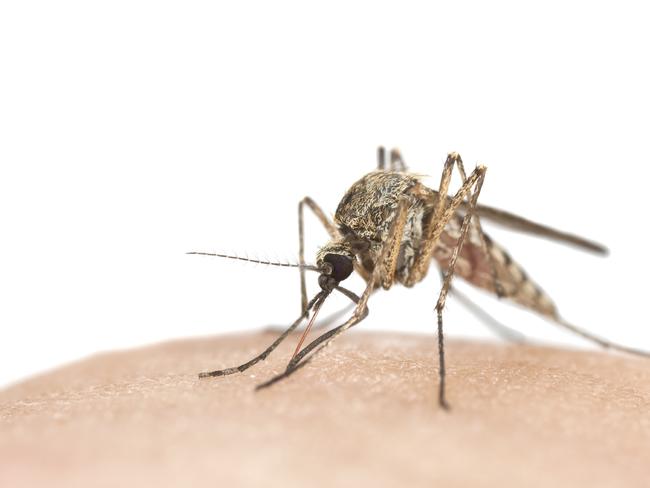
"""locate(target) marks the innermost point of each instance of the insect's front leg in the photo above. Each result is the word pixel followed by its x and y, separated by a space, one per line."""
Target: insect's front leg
pixel 387 262
pixel 331 230
pixel 302 358
pixel 333 233
pixel 261 357
pixel 361 309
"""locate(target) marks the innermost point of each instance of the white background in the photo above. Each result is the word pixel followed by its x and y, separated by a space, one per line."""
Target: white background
pixel 132 132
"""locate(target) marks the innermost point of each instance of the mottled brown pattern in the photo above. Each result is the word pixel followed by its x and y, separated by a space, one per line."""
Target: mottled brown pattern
pixel 366 212
pixel 474 266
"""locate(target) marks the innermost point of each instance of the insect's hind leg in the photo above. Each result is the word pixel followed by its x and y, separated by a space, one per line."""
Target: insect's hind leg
pixel 381 158
pixel 396 161
pixel 502 330
pixel 606 344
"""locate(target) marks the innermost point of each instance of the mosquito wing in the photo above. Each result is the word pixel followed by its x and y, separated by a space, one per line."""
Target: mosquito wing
pixel 473 265
pixel 515 222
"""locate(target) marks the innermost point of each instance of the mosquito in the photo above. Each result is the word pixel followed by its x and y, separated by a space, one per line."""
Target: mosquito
pixel 389 228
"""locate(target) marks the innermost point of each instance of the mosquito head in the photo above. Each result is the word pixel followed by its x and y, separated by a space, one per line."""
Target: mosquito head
pixel 335 262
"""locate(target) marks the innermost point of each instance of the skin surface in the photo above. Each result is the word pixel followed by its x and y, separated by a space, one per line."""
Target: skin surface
pixel 362 414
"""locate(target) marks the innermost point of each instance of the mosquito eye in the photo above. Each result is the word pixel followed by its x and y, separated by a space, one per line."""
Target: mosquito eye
pixel 341 266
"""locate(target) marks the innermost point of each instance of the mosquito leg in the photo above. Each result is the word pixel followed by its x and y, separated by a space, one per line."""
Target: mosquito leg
pixel 300 360
pixel 323 323
pixel 385 270
pixel 454 157
pixel 525 225
pixel 599 340
pixel 335 316
pixel 446 285
pixel 337 330
pixel 396 161
pixel 331 230
pixel 444 209
pixel 381 158
pixel 287 372
pixel 442 373
pixel 268 350
pixel 503 331
pixel 440 219
pixel 361 309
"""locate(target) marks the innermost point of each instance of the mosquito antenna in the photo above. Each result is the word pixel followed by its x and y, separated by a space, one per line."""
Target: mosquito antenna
pixel 309 267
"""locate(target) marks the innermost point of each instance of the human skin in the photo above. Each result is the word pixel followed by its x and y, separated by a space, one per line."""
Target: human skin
pixel 362 414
